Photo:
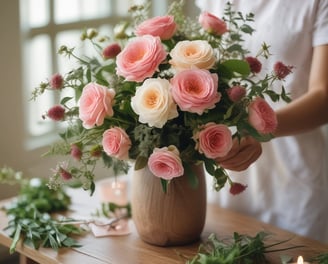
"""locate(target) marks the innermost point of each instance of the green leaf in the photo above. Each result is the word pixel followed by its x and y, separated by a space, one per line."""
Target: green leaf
pixel 53 242
pixel 65 100
pixel 247 29
pixel 192 176
pixel 285 96
pixel 140 163
pixel 273 95
pixel 15 239
pixel 164 184
pixel 238 66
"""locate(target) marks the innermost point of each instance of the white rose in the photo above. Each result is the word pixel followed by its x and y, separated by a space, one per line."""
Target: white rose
pixel 153 102
pixel 190 54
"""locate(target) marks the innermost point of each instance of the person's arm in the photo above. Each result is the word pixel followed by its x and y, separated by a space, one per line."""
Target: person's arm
pixel 310 110
pixel 301 115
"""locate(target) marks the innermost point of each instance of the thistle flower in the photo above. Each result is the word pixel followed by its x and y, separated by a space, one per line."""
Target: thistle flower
pixel 57 81
pixel 56 113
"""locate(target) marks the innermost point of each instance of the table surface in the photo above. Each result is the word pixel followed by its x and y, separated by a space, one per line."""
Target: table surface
pixel 130 249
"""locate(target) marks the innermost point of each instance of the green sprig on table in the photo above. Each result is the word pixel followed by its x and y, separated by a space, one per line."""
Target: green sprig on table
pixel 29 214
pixel 241 249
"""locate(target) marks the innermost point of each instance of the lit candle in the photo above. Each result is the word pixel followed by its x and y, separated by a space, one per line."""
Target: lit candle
pixel 114 191
pixel 301 261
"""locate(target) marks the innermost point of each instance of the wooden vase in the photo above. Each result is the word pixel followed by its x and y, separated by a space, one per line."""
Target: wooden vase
pixel 176 217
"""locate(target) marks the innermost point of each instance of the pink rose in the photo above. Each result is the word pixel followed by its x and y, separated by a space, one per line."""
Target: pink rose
pixel 195 90
pixel 214 140
pixel 160 26
pixel 261 116
pixel 281 70
pixel 236 93
pixel 116 143
pixel 212 24
pixel 254 64
pixel 95 104
pixel 111 51
pixel 166 163
pixel 140 58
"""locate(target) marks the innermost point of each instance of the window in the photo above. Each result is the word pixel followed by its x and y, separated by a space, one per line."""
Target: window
pixel 47 24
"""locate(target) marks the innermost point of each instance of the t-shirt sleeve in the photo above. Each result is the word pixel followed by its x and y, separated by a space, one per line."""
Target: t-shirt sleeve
pixel 320 34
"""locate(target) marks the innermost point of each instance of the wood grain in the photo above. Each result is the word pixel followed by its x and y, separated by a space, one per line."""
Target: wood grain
pixel 131 249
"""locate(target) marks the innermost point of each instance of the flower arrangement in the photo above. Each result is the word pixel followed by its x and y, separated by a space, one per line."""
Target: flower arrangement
pixel 166 92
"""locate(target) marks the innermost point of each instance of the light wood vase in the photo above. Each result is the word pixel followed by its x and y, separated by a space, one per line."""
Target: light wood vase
pixel 168 219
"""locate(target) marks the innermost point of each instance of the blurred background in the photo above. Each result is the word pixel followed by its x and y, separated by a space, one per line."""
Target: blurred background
pixel 31 32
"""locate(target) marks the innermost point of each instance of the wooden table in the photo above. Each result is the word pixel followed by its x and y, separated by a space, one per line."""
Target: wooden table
pixel 130 249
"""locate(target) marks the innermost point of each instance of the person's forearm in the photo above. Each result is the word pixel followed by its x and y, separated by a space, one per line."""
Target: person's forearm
pixel 303 114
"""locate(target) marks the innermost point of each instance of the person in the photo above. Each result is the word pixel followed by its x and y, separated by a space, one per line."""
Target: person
pixel 287 177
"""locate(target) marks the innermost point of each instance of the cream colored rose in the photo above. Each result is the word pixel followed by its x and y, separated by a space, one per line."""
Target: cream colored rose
pixel 192 54
pixel 153 102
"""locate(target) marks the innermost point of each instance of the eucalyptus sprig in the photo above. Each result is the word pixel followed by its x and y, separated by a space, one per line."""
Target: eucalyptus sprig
pixel 29 214
pixel 241 249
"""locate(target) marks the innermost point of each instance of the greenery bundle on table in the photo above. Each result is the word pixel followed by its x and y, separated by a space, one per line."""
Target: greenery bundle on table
pixel 30 212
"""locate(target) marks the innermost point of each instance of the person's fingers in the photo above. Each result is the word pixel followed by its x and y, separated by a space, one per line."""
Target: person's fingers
pixel 242 154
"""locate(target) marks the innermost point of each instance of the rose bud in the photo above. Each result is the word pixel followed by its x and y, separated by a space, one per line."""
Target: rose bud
pixel 212 24
pixel 254 64
pixel 111 51
pixel 281 70
pixel 236 93
pixel 237 188
pixel 76 152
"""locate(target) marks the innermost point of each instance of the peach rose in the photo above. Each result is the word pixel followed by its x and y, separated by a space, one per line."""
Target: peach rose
pixel 153 102
pixel 236 93
pixel 116 143
pixel 195 90
pixel 95 104
pixel 261 116
pixel 192 54
pixel 212 24
pixel 213 140
pixel 166 163
pixel 160 26
pixel 140 58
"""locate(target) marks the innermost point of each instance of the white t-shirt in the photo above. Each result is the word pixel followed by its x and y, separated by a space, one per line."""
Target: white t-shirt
pixel 288 184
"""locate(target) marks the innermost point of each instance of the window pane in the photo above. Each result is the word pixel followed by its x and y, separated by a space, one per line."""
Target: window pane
pixel 95 9
pixel 122 7
pixel 75 10
pixel 66 11
pixel 38 69
pixel 37 12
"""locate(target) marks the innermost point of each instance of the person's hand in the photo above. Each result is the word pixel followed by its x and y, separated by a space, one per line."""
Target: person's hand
pixel 242 154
